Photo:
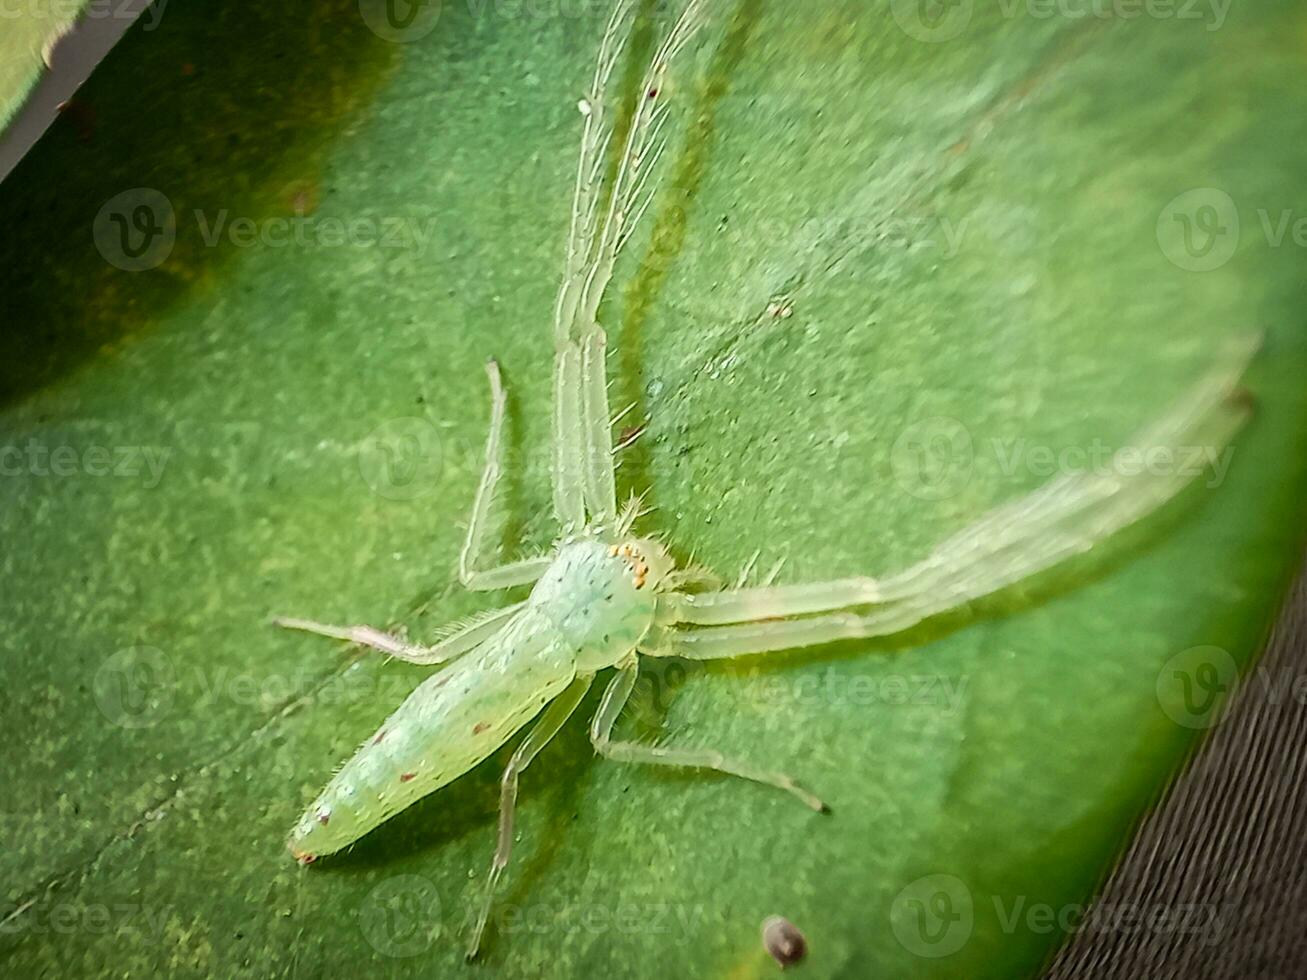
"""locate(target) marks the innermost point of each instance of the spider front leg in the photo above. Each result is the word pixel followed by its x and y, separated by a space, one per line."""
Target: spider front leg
pixel 446 650
pixel 505 576
pixel 601 730
pixel 767 602
pixel 584 481
pixel 600 481
pixel 584 486
pixel 1067 516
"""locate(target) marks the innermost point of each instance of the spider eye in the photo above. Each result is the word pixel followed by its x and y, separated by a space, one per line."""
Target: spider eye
pixel 635 561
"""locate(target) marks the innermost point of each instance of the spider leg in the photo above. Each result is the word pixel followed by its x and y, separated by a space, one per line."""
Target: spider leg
pixel 550 722
pixel 600 483
pixel 584 482
pixel 505 576
pixel 1065 517
pixel 454 645
pixel 584 478
pixel 578 360
pixel 569 473
pixel 601 730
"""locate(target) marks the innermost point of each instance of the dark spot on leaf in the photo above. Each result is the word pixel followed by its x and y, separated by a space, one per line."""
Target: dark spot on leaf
pixel 480 727
pixel 404 777
pixel 380 736
pixel 783 941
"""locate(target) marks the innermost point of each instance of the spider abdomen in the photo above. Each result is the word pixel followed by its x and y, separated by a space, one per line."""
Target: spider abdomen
pixel 452 721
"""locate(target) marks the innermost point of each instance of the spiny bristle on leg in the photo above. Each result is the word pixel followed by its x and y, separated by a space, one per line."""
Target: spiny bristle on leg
pixel 632 511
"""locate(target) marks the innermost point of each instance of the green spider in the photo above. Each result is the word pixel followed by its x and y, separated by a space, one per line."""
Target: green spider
pixel 604 596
